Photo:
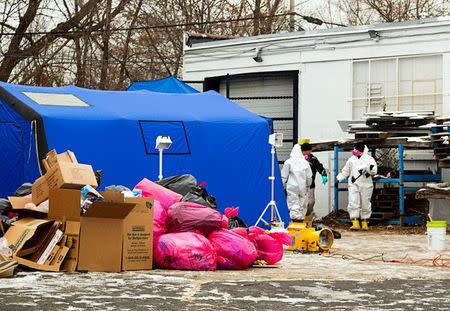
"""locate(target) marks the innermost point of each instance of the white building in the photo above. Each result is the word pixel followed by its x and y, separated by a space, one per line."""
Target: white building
pixel 307 81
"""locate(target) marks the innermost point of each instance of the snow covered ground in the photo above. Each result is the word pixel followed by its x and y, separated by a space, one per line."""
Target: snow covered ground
pixel 312 282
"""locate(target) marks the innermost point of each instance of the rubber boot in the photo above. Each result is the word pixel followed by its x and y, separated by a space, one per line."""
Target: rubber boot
pixel 356 226
pixel 365 225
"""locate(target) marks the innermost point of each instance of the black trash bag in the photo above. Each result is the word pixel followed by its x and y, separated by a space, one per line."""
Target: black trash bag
pixel 336 234
pixel 199 195
pixel 181 184
pixel 23 190
pixel 6 223
pixel 236 222
pixel 116 188
pixel 98 177
pixel 5 206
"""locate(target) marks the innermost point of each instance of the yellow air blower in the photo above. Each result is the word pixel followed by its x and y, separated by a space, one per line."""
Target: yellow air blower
pixel 306 239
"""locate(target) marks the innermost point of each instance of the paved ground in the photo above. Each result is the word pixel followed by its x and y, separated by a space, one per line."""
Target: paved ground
pixel 310 282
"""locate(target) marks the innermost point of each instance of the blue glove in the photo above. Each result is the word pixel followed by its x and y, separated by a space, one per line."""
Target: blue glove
pixel 324 179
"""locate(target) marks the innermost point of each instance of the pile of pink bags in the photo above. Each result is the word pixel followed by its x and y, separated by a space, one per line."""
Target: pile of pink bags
pixel 190 236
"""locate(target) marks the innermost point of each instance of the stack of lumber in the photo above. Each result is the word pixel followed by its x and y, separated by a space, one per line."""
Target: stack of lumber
pixel 434 191
pixel 381 125
pixel 440 139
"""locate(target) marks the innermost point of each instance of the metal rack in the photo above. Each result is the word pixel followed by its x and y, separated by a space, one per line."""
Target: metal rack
pixel 401 181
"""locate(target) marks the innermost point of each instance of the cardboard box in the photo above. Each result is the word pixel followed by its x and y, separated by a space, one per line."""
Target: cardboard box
pixel 64 205
pixel 72 231
pixel 62 174
pixel 117 236
pixel 54 266
pixel 53 158
pixel 39 190
pixel 28 236
pixel 138 236
pixel 70 176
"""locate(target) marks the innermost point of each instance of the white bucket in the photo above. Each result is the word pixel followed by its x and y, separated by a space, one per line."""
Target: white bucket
pixel 437 231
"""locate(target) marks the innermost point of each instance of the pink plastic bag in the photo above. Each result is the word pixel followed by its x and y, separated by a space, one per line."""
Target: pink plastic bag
pixel 165 196
pixel 282 237
pixel 224 222
pixel 256 230
pixel 185 251
pixel 192 217
pixel 269 245
pixel 241 231
pixel 234 252
pixel 231 211
pixel 159 220
pixel 269 249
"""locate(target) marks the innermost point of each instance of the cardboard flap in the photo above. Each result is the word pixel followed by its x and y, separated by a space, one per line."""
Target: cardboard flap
pixel 30 223
pixel 116 197
pixel 53 158
pixel 109 210
pixel 19 202
pixel 25 203
pixel 72 228
pixel 64 204
pixel 26 230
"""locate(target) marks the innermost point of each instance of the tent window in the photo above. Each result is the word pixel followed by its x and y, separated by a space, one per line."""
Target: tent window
pixel 175 129
pixel 51 99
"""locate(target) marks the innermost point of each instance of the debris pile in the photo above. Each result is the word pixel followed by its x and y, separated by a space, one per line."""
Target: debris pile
pixel 440 139
pixel 62 222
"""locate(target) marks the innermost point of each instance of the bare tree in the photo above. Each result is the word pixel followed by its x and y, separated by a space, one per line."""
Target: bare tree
pixel 29 15
pixel 361 12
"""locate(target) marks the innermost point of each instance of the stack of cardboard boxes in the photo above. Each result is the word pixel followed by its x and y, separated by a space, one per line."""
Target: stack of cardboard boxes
pixel 113 235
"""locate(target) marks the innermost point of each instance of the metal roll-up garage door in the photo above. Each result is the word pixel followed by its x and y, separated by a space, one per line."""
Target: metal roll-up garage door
pixel 272 95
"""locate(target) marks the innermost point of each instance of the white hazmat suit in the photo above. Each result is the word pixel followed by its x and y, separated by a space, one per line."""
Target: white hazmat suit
pixel 297 177
pixel 360 189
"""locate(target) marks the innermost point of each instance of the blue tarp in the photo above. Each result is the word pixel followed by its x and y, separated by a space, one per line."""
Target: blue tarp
pixel 165 85
pixel 215 140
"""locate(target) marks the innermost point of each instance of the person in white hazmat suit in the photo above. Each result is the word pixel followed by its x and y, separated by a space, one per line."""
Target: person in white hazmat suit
pixel 359 169
pixel 297 178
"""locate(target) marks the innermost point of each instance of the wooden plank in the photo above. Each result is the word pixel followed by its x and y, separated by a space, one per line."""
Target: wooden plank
pixel 371 135
pixel 440 121
pixel 440 134
pixel 444 163
pixel 441 150
pixel 397 121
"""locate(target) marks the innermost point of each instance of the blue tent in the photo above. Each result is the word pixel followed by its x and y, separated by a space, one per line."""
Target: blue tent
pixel 173 85
pixel 166 85
pixel 215 140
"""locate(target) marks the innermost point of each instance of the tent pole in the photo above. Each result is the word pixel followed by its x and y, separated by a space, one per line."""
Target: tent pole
pixel 160 176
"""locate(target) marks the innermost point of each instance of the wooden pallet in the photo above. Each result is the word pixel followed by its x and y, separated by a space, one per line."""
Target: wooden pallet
pixel 384 204
pixel 444 163
pixel 397 121
pixel 441 121
pixel 442 150
pixel 381 216
pixel 371 135
pixel 440 134
pixel 386 197
pixel 441 156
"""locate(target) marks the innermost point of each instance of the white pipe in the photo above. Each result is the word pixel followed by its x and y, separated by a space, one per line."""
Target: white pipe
pixel 160 176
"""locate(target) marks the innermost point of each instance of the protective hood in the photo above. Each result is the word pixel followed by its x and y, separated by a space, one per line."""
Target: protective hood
pixel 296 151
